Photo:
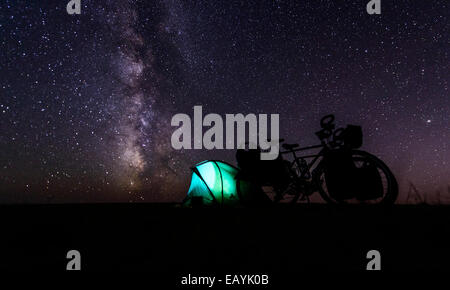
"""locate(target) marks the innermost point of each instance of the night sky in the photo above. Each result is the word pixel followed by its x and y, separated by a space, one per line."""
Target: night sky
pixel 86 100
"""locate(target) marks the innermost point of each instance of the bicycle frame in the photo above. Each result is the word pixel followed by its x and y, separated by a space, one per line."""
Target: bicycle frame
pixel 307 178
pixel 310 164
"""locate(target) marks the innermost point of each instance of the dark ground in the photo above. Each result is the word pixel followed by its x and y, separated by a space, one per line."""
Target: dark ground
pixel 159 237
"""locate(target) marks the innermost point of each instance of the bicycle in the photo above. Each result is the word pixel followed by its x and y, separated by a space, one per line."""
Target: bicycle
pixel 368 180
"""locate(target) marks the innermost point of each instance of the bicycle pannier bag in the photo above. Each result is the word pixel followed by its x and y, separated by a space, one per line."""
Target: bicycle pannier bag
pixel 248 159
pixel 353 136
pixel 266 172
pixel 339 174
pixel 368 183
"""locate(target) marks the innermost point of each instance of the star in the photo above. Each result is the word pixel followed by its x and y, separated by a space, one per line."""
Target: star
pixel 86 100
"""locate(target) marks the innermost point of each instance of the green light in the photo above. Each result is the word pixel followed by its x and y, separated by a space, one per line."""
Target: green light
pixel 210 174
pixel 216 175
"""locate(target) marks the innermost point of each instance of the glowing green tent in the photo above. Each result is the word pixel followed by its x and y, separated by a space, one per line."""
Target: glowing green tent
pixel 215 183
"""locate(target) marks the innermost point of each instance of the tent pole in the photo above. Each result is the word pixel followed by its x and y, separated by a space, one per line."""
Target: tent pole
pixel 221 178
pixel 199 175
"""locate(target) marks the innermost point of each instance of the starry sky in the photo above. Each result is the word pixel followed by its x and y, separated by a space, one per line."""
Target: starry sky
pixel 86 100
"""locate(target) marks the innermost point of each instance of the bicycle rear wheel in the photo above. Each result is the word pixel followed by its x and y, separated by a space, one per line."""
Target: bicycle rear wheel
pixel 362 158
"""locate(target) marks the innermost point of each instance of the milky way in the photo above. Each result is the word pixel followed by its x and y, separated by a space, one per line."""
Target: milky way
pixel 144 157
pixel 86 100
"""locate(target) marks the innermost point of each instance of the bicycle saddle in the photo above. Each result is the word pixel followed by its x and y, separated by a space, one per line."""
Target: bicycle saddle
pixel 290 146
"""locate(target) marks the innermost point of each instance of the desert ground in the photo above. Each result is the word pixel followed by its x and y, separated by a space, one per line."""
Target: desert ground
pixel 168 239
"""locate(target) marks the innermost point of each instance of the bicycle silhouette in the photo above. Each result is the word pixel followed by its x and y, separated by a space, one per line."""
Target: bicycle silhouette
pixel 339 171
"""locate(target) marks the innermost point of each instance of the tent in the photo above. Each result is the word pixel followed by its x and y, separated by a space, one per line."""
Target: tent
pixel 214 183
